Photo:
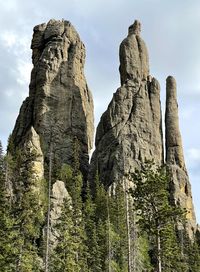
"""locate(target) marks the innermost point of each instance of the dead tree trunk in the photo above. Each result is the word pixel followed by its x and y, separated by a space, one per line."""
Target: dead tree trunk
pixel 109 238
pixel 48 211
pixel 126 198
pixel 158 250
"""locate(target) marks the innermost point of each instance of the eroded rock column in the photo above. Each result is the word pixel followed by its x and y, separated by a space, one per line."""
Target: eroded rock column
pixel 180 186
pixel 130 130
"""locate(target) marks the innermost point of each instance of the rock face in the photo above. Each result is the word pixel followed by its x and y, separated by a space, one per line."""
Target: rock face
pixel 32 146
pixel 134 60
pixel 180 185
pixel 60 106
pixel 130 130
pixel 59 194
pixel 59 111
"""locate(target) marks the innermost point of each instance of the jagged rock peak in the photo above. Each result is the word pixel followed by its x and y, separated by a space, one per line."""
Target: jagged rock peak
pixel 181 193
pixel 60 105
pixel 135 28
pixel 130 130
pixel 133 54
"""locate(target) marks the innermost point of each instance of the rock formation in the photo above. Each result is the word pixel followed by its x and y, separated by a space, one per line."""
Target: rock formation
pixel 180 185
pixel 60 106
pixel 59 110
pixel 59 194
pixel 130 130
pixel 134 60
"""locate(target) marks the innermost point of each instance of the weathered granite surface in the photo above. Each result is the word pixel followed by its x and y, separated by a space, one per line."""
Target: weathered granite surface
pixel 130 130
pixel 59 110
pixel 59 194
pixel 134 60
pixel 180 186
pixel 60 105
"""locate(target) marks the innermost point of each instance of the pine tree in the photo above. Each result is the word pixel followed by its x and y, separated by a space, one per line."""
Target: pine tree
pixel 194 257
pixel 93 254
pixel 20 222
pixel 190 252
pixel 70 253
pixel 101 219
pixel 119 230
pixel 151 198
pixel 63 257
pixel 27 211
pixel 30 214
pixel 7 234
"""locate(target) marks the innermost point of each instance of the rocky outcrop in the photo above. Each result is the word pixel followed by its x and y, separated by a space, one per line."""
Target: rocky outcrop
pixel 180 186
pixel 130 130
pixel 60 106
pixel 59 195
pixel 134 60
pixel 32 146
pixel 59 111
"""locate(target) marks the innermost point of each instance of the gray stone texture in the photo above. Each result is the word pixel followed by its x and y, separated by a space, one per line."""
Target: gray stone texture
pixel 59 195
pixel 60 105
pixel 130 130
pixel 134 60
pixel 180 186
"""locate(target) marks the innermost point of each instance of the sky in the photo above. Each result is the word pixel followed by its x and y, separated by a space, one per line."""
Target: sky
pixel 171 32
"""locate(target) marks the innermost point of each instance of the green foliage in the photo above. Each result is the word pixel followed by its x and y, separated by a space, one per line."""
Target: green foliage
pixel 29 212
pixel 190 252
pixel 158 217
pixel 65 253
pixel 93 254
pixel 119 232
pixel 7 234
pixel 23 216
pixel 151 198
pixel 70 253
pixel 143 262
pixel 66 173
pixel 92 233
pixel 10 146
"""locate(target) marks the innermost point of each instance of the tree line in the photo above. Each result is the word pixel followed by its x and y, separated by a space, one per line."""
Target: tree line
pixel 121 228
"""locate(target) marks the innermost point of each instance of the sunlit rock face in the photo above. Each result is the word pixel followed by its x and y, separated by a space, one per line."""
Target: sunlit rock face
pixel 180 186
pixel 130 130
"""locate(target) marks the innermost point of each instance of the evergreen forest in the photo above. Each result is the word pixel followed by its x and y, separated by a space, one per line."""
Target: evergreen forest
pixel 131 226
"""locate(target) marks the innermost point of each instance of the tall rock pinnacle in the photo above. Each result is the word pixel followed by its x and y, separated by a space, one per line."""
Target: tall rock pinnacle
pixel 181 188
pixel 130 130
pixel 134 60
pixel 60 106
